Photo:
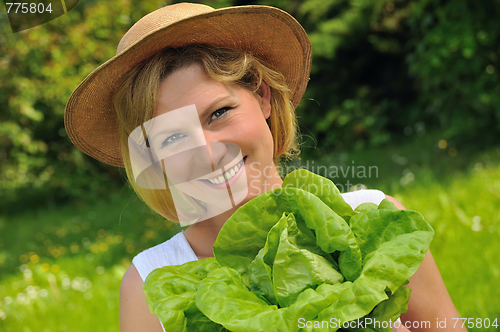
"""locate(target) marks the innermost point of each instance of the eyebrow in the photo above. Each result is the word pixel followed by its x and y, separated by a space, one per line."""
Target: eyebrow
pixel 211 106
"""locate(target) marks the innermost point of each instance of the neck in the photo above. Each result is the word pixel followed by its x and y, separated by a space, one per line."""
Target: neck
pixel 202 235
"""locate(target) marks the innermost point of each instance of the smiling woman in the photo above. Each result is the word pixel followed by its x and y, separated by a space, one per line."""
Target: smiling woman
pixel 235 99
pixel 204 95
pixel 198 107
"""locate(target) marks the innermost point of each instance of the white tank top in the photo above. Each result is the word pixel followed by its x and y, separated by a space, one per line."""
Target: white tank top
pixel 177 250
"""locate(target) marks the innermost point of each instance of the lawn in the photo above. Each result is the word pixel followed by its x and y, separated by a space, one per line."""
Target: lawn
pixel 61 268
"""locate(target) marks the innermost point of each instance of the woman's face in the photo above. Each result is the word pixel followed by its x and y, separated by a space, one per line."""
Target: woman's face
pixel 203 129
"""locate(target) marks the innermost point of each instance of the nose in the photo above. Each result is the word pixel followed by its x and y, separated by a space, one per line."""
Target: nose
pixel 205 158
pixel 218 150
pixel 201 157
pixel 221 152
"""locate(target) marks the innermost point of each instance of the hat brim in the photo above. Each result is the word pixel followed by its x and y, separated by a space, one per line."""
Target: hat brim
pixel 268 33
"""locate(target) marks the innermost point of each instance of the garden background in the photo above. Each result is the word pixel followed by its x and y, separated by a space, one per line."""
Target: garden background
pixel 411 87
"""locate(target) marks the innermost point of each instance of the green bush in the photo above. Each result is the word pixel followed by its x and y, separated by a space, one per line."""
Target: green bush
pixel 455 60
pixel 383 70
pixel 39 70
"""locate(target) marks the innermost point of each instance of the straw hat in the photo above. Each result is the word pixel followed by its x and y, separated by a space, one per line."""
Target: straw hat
pixel 268 33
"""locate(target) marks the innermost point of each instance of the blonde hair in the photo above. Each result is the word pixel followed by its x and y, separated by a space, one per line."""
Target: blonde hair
pixel 135 103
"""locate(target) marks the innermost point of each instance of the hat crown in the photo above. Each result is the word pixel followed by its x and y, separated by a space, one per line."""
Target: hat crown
pixel 270 34
pixel 158 19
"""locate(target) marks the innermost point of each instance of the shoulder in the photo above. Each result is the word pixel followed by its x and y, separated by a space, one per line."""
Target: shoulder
pixel 358 197
pixel 396 202
pixel 134 312
pixel 175 251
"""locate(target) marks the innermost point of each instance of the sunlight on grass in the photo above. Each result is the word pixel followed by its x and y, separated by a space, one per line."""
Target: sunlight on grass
pixel 73 299
pixel 61 269
pixel 465 213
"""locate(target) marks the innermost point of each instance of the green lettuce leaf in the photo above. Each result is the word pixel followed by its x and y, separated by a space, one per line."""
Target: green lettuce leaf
pixel 320 187
pixel 171 292
pixel 236 246
pixel 296 253
pixel 295 269
pixel 243 311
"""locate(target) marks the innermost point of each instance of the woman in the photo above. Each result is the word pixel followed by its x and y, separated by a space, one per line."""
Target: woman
pixel 198 106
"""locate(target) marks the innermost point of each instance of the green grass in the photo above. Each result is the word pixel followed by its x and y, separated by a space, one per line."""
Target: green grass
pixel 465 213
pixel 61 268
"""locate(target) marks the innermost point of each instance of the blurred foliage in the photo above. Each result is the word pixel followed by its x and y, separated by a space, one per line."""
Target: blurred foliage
pixel 382 70
pixel 455 49
pixel 40 67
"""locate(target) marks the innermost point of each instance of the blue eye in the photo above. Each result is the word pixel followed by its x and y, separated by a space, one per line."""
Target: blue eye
pixel 220 113
pixel 172 139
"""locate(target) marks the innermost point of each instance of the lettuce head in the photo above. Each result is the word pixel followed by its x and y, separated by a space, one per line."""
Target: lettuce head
pixel 297 253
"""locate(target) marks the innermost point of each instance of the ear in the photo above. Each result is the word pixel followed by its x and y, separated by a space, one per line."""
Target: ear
pixel 264 98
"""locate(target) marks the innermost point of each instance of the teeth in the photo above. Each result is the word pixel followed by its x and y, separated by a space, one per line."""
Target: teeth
pixel 227 175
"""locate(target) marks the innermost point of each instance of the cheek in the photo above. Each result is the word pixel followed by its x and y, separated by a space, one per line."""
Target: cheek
pixel 259 135
pixel 178 169
pixel 251 132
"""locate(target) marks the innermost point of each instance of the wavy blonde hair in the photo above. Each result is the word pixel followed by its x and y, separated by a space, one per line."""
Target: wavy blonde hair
pixel 135 103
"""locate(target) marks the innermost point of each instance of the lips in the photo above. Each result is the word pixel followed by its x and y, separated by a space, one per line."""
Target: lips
pixel 229 176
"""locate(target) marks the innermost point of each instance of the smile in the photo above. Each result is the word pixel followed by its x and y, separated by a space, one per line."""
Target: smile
pixel 227 175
